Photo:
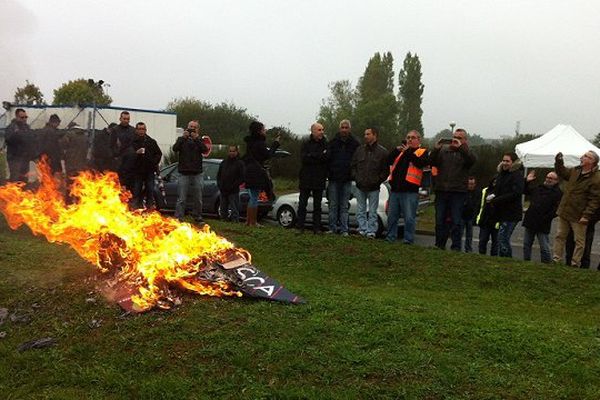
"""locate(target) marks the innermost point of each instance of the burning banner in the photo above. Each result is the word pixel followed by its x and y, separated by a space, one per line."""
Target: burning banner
pixel 147 257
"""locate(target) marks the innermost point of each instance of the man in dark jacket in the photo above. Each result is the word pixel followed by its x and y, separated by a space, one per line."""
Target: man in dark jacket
pixel 341 150
pixel 148 156
pixel 74 146
pixel 123 135
pixel 369 169
pixel 406 172
pixel 452 162
pixel 229 178
pixel 506 200
pixel 19 142
pixel 543 202
pixel 50 144
pixel 313 173
pixel 190 148
pixel 103 156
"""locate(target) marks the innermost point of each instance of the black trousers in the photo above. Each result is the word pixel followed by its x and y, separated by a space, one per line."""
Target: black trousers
pixel 317 195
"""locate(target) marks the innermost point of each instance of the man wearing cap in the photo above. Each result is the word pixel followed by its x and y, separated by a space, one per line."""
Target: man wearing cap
pixel 50 144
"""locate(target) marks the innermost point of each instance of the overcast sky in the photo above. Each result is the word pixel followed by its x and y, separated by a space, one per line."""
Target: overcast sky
pixel 486 63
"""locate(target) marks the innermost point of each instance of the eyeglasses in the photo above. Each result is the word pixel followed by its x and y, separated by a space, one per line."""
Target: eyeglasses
pixel 411 137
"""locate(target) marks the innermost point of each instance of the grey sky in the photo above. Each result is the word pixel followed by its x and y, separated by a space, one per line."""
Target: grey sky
pixel 486 64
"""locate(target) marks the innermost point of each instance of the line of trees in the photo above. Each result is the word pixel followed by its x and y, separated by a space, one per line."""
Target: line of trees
pixel 78 91
pixel 373 101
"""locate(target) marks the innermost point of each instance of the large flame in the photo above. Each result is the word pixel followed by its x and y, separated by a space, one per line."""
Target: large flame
pixel 144 249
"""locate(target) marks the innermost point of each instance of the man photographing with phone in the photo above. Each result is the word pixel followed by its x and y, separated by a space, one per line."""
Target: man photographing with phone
pixel 453 162
pixel 190 148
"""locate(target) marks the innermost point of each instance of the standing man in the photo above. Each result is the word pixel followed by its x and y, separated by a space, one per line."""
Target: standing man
pixel 580 201
pixel 190 147
pixel 341 149
pixel 50 145
pixel 148 156
pixel 506 200
pixel 452 162
pixel 406 172
pixel 369 169
pixel 313 173
pixel 19 141
pixel 543 202
pixel 229 178
pixel 123 135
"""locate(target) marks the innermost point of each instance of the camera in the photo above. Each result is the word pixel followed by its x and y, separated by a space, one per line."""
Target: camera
pixel 190 130
pixel 404 142
pixel 446 141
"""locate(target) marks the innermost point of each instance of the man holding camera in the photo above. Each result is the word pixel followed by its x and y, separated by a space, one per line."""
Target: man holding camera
pixel 190 148
pixel 453 159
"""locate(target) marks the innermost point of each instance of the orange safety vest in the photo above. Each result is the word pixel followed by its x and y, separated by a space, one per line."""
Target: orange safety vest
pixel 414 175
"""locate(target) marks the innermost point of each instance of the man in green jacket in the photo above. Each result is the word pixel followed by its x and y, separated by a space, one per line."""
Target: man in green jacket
pixel 580 200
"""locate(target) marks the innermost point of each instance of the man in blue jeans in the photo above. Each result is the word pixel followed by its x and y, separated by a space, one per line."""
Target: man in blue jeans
pixel 190 148
pixel 506 200
pixel 452 160
pixel 543 203
pixel 369 169
pixel 341 150
pixel 406 172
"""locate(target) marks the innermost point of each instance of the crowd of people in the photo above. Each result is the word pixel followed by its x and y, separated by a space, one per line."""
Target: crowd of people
pixel 120 148
pixel 496 208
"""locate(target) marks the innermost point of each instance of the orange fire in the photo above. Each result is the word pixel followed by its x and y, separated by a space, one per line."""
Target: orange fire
pixel 143 250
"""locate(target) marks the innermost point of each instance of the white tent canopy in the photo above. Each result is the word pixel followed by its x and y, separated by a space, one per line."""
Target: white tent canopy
pixel 540 152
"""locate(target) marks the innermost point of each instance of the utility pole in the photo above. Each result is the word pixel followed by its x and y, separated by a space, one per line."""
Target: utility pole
pixel 518 128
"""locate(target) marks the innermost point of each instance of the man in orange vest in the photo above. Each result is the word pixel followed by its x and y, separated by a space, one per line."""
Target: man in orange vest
pixel 406 171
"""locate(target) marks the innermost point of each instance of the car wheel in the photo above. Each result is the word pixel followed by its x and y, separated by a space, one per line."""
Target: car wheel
pixel 286 216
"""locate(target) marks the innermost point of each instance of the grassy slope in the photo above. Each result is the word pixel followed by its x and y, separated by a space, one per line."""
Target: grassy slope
pixel 383 321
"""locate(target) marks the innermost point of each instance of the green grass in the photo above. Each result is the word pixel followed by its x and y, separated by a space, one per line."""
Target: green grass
pixel 382 321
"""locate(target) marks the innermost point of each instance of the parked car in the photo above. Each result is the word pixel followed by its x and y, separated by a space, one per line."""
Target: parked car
pixel 285 209
pixel 211 197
